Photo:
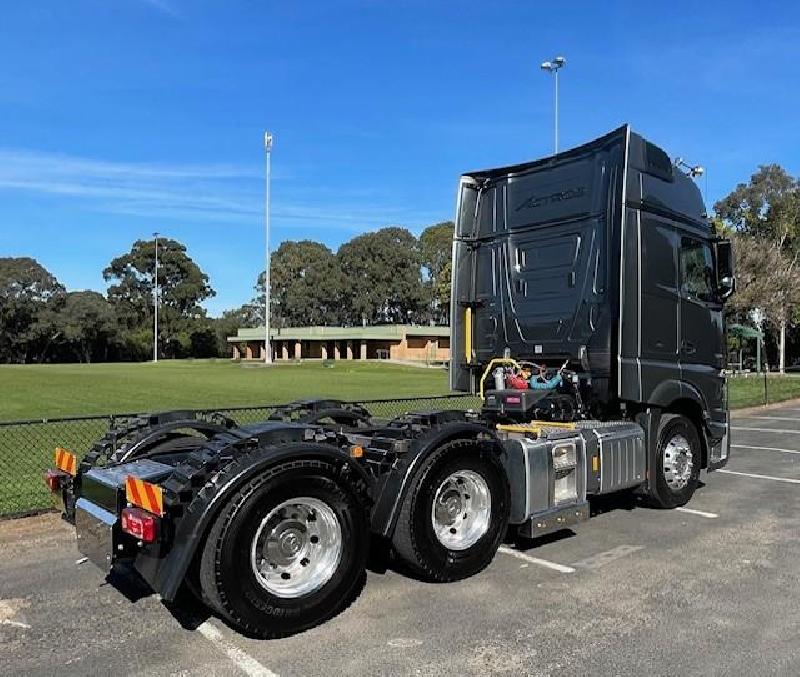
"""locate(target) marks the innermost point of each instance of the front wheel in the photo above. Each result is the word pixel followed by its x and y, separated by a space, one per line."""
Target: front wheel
pixel 677 462
pixel 287 552
pixel 455 513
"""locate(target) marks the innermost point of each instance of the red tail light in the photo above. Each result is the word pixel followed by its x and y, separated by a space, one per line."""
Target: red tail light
pixel 140 524
pixel 52 478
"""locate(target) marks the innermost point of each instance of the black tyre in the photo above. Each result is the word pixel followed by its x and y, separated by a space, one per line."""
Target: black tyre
pixel 677 462
pixel 287 552
pixel 455 513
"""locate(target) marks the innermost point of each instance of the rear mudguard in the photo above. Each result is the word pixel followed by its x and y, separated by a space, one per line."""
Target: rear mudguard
pixel 389 499
pixel 165 572
pixel 313 411
pixel 124 439
pixel 157 434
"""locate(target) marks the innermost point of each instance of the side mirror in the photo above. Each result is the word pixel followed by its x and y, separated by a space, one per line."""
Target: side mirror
pixel 726 279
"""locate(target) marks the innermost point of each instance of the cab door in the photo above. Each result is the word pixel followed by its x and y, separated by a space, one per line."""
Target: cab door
pixel 660 317
pixel 701 349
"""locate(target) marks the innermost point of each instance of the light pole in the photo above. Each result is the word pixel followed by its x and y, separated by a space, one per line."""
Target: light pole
pixel 267 170
pixel 155 305
pixel 553 67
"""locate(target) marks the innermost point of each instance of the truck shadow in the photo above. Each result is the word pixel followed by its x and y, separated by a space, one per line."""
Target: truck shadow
pixel 598 505
pixel 622 500
pixel 382 559
pixel 186 609
pixel 190 612
pixel 126 580
pixel 523 543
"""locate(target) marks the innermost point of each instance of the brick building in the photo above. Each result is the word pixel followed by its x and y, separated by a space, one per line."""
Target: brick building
pixel 385 342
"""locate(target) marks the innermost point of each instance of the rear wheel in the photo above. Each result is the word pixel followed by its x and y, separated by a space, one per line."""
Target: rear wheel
pixel 455 513
pixel 677 463
pixel 287 552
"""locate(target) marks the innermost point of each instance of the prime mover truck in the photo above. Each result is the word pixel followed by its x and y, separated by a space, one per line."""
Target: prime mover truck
pixel 587 311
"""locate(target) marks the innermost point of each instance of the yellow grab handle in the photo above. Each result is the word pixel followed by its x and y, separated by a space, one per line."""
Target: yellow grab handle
pixel 468 335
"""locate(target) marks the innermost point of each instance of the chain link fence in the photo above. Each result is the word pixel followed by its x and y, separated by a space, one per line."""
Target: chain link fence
pixel 27 447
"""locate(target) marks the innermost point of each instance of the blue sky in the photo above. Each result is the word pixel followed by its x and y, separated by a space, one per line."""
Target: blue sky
pixel 122 117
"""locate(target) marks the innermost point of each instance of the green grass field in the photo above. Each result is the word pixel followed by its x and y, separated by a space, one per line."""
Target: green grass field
pixel 748 391
pixel 48 391
pixel 37 391
pixel 52 391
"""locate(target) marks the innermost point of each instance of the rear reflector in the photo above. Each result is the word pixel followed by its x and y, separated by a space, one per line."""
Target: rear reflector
pixel 66 461
pixel 53 478
pixel 144 495
pixel 140 524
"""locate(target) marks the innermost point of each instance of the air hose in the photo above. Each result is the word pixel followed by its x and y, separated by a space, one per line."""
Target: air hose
pixel 548 384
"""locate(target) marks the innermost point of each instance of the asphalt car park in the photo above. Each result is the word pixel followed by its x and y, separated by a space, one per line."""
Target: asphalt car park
pixel 711 588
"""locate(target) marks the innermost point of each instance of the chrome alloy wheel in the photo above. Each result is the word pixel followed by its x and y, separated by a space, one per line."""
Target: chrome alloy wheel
pixel 677 462
pixel 461 510
pixel 297 547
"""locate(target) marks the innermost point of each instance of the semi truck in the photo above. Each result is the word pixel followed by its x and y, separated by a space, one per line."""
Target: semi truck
pixel 587 311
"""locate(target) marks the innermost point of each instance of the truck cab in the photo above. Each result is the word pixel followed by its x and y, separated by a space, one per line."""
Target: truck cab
pixel 601 257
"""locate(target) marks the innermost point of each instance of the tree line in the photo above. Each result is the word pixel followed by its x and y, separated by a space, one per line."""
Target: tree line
pixel 386 276
pixel 762 217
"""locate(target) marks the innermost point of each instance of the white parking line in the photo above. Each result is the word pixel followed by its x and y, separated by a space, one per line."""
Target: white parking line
pixel 784 451
pixel 243 660
pixel 603 558
pixel 16 624
pixel 774 418
pixel 535 560
pixel 701 513
pixel 759 477
pixel 765 430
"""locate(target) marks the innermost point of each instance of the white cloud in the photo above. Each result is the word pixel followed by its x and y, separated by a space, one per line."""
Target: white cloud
pixel 162 7
pixel 221 193
pixel 218 189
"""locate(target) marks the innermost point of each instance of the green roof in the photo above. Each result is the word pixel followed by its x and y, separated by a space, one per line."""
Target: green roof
pixel 745 331
pixel 382 332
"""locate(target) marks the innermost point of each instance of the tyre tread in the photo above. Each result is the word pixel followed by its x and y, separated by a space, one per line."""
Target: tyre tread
pixel 210 573
pixel 664 499
pixel 405 543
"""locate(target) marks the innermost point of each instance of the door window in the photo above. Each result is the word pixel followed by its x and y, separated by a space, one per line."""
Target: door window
pixel 697 270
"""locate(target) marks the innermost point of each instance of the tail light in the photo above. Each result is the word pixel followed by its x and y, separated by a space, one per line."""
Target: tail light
pixel 140 524
pixel 53 478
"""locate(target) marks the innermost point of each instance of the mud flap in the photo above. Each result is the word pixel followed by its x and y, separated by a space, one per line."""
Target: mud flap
pixel 649 420
pixel 94 527
pixel 719 443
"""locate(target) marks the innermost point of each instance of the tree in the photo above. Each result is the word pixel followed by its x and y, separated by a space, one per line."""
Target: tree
pixel 436 246
pixel 183 286
pixel 442 292
pixel 27 292
pixel 767 211
pixel 765 207
pixel 383 281
pixel 88 324
pixel 767 278
pixel 228 325
pixel 306 283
